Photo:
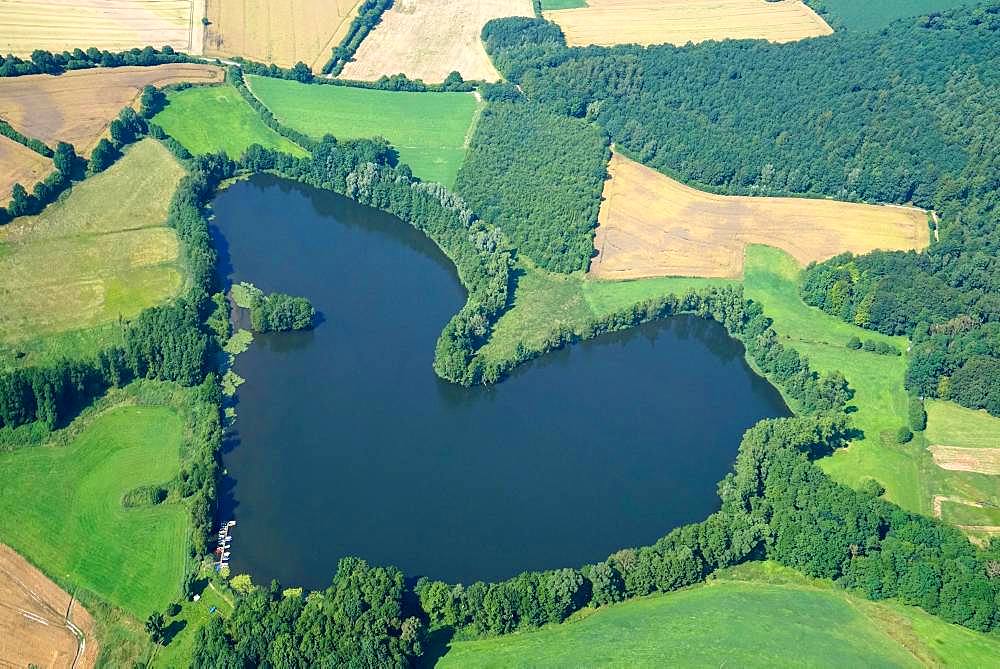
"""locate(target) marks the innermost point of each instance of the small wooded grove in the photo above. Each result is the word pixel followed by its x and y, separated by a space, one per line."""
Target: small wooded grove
pixel 908 114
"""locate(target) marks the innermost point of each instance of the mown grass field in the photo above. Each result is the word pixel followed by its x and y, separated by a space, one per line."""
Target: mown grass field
pixel 216 118
pixel 867 15
pixel 544 301
pixel 100 253
pixel 907 471
pixel 429 130
pixel 60 507
pixel 749 617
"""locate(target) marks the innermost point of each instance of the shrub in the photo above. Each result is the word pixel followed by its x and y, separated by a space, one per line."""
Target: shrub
pixel 904 435
pixel 918 415
pixel 854 343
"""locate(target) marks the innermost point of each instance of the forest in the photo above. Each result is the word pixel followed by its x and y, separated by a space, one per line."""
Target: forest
pixel 904 115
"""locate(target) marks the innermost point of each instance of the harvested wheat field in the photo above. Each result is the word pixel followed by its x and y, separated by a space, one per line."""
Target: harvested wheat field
pixel 608 22
pixel 652 225
pixel 115 25
pixel 428 39
pixel 77 106
pixel 278 31
pixel 980 460
pixel 19 164
pixel 40 624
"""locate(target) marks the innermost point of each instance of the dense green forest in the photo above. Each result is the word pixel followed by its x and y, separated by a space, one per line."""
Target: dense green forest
pixel 538 176
pixel 908 114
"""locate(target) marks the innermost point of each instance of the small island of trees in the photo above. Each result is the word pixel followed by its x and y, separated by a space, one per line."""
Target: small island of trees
pixel 276 312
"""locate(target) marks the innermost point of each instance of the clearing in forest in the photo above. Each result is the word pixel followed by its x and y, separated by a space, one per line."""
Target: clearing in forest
pixel 217 118
pixel 101 253
pixel 652 225
pixel 429 130
pixel 39 622
pixel 278 32
pixel 19 164
pixel 748 616
pixel 609 22
pixel 61 25
pixel 77 106
pixel 428 39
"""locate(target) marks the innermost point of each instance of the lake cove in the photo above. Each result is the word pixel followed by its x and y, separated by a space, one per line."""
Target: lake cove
pixel 348 444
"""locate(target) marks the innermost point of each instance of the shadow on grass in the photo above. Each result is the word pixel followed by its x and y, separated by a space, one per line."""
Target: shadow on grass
pixel 435 647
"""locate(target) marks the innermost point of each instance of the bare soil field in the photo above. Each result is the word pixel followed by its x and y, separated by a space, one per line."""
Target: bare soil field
pixel 40 623
pixel 652 225
pixel 77 106
pixel 115 25
pixel 428 39
pixel 278 31
pixel 19 164
pixel 980 460
pixel 609 22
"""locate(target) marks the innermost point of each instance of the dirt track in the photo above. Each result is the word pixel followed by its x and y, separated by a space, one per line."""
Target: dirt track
pixel 40 623
pixel 608 22
pixel 77 106
pixel 652 225
pixel 19 164
pixel 428 39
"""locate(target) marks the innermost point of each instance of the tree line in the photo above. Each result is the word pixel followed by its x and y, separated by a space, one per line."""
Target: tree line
pixel 369 15
pixel 48 62
pixel 904 115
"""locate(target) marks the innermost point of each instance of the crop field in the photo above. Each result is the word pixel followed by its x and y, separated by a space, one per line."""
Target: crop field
pixel 278 32
pixel 217 118
pixel 609 22
pixel 83 262
pixel 59 25
pixel 867 15
pixel 652 225
pixel 61 508
pixel 748 617
pixel 428 39
pixel 907 471
pixel 430 130
pixel 77 106
pixel 545 301
pixel 19 164
pixel 33 619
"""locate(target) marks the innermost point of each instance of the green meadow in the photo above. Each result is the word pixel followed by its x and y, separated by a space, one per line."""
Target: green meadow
pixel 548 5
pixel 72 271
pixel 545 301
pixel 182 629
pixel 749 616
pixel 868 15
pixel 206 119
pixel 907 471
pixel 61 507
pixel 430 130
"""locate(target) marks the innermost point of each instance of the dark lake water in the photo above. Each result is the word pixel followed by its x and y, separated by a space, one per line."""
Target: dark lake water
pixel 348 444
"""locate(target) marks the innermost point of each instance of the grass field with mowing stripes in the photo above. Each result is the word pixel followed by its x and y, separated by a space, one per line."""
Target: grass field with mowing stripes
pixel 428 129
pixel 209 119
pixel 60 507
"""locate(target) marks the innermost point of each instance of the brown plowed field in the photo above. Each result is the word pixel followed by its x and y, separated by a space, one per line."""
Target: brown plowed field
pixel 34 625
pixel 980 460
pixel 608 22
pixel 652 225
pixel 19 164
pixel 428 39
pixel 115 25
pixel 77 106
pixel 278 31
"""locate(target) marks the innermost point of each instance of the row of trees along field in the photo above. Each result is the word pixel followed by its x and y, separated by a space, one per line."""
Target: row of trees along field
pixel 905 115
pixel 538 176
pixel 47 62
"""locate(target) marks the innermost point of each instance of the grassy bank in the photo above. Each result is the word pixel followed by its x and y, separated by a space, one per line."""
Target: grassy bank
pixel 545 301
pixel 907 471
pixel 748 617
pixel 428 129
pixel 209 119
pixel 100 253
